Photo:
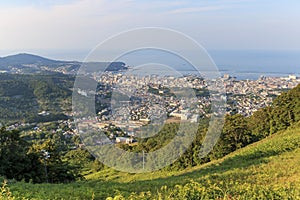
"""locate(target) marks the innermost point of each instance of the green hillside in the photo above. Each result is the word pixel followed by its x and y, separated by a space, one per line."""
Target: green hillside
pixel 22 97
pixel 268 169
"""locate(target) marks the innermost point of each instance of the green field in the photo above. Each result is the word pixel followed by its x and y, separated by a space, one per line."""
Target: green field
pixel 268 169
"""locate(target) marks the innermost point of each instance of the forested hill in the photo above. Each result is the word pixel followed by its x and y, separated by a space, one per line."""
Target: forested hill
pixel 27 59
pixel 23 97
pixel 28 63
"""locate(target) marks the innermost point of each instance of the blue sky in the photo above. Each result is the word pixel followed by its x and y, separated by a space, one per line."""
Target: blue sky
pixel 63 25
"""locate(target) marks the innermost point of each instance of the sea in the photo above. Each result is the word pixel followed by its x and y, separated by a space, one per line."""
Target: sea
pixel 251 64
pixel 242 64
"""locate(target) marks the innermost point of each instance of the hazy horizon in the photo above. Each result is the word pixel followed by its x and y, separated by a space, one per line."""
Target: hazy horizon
pixel 268 61
pixel 239 35
pixel 83 24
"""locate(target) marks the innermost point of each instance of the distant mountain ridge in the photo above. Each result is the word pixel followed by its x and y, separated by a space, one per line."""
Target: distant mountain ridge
pixel 25 58
pixel 29 63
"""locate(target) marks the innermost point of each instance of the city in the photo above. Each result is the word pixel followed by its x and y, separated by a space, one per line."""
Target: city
pixel 130 102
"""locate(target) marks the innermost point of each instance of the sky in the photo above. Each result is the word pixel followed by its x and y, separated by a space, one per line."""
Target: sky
pixel 57 27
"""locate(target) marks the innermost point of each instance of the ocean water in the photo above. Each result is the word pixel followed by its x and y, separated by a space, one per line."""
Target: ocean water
pixel 252 64
pixel 242 64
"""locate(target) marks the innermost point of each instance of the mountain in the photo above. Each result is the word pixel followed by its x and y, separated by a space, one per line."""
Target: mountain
pixel 28 63
pixel 27 59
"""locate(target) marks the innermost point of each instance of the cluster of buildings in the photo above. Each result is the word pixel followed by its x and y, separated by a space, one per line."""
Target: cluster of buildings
pixel 247 96
pixel 130 102
pixel 136 101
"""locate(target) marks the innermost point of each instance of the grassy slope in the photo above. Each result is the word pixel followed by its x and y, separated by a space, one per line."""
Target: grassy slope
pixel 271 166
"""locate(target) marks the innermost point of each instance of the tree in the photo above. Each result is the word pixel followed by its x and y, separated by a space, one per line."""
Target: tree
pixel 235 135
pixel 259 123
pixel 236 132
pixel 15 161
pixel 58 170
pixel 80 158
pixel 285 110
